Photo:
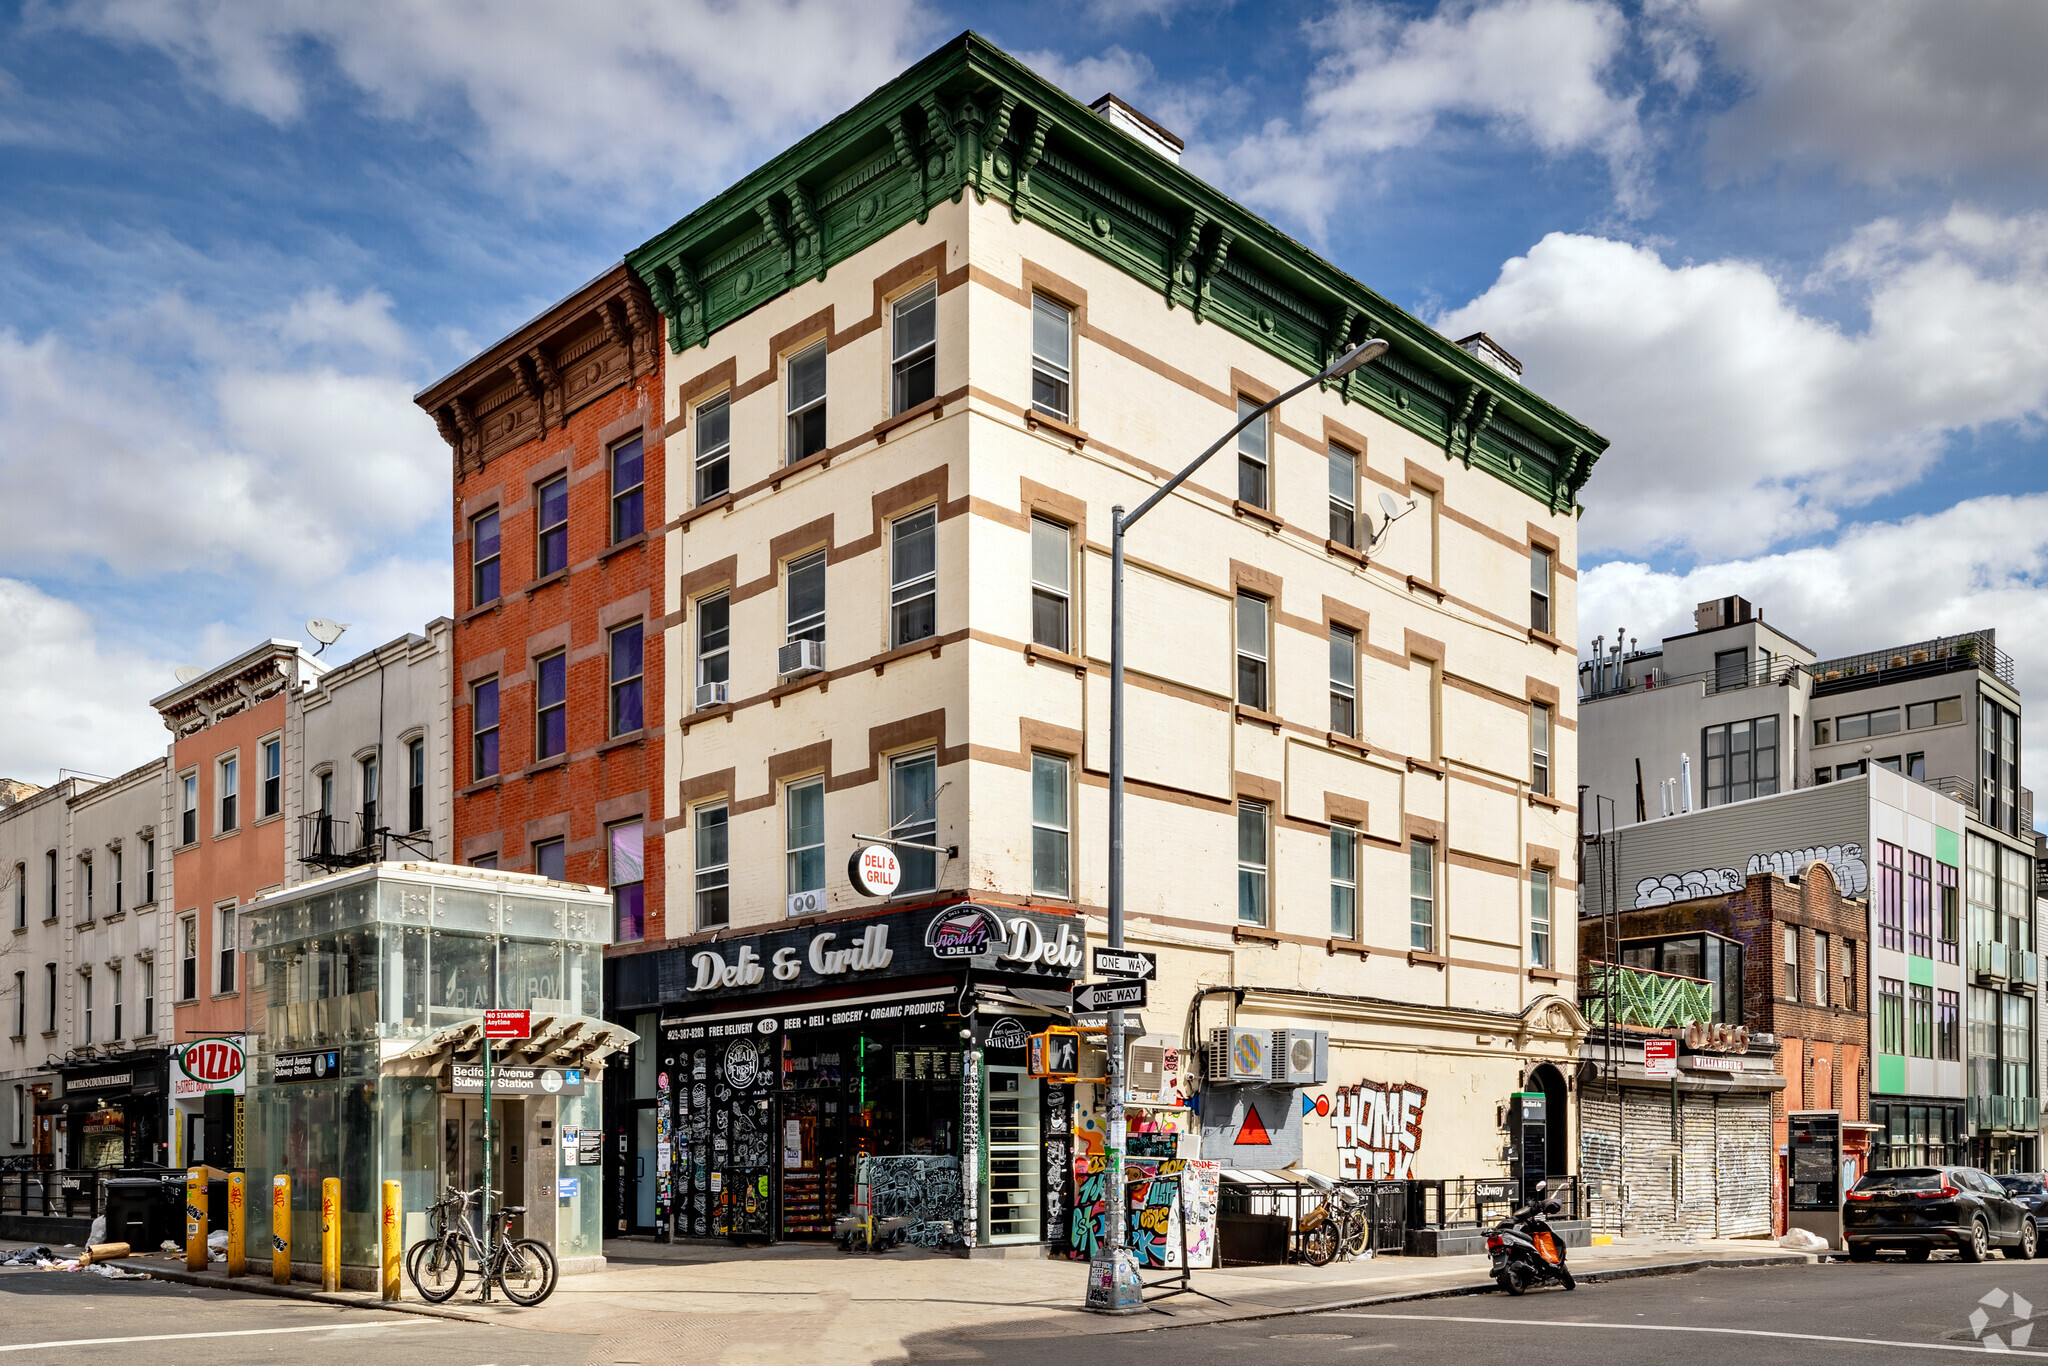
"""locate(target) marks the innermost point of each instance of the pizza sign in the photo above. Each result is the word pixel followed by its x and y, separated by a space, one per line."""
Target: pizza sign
pixel 210 1065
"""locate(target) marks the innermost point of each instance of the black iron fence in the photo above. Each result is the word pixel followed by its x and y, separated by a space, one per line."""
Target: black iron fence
pixel 1482 1202
pixel 51 1193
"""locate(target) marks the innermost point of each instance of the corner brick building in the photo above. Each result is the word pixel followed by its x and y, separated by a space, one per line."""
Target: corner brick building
pixel 557 443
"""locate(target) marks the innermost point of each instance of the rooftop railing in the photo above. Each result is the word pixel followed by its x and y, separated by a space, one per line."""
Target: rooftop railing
pixel 1755 673
pixel 1970 650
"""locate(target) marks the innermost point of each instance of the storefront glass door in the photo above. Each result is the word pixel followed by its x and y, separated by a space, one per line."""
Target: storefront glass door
pixel 1009 1199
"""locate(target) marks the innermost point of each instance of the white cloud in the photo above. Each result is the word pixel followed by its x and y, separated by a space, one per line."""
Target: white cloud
pixel 1982 562
pixel 73 701
pixel 1884 90
pixel 1534 71
pixel 1740 419
pixel 597 93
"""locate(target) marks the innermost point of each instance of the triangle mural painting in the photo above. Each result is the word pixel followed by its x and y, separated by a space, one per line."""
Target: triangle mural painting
pixel 1252 1133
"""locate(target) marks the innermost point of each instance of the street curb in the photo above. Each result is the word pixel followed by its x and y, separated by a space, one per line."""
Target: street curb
pixel 275 1291
pixel 1619 1273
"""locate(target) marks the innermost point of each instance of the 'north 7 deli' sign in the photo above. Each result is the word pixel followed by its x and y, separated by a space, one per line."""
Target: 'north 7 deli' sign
pixel 867 948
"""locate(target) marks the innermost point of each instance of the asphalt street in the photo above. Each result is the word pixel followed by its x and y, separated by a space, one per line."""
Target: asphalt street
pixel 1836 1311
pixel 85 1320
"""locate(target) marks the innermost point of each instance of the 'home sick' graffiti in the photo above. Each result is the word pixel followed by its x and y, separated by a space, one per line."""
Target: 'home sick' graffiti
pixel 1378 1129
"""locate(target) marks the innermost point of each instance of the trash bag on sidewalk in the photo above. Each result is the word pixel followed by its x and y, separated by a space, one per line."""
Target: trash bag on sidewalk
pixel 217 1245
pixel 27 1256
pixel 99 1230
pixel 1803 1240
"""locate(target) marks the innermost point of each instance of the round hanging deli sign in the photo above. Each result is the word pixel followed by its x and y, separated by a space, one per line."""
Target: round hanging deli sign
pixel 875 870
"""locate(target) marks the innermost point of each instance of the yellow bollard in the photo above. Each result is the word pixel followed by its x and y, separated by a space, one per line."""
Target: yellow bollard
pixel 391 1240
pixel 238 1225
pixel 195 1219
pixel 330 1233
pixel 281 1228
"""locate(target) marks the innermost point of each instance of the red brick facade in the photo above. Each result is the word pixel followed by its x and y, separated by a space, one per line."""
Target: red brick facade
pixel 565 396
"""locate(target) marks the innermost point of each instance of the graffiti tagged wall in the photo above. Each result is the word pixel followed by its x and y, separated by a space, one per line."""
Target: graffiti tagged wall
pixel 1379 1129
pixel 1845 859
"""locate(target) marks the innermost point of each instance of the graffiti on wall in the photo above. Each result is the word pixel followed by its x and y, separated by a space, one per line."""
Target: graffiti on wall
pixel 1163 1197
pixel 922 1187
pixel 1379 1129
pixel 1845 860
pixel 1088 1226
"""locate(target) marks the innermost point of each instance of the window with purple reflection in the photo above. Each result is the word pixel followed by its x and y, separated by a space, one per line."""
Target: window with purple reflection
pixel 484 729
pixel 626 679
pixel 551 550
pixel 483 558
pixel 551 703
pixel 627 874
pixel 629 490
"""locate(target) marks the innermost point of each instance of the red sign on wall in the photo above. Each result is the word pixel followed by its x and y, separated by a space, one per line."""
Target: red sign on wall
pixel 508 1024
pixel 1660 1057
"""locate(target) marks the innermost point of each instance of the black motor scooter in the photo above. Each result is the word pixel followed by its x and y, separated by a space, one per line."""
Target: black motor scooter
pixel 1524 1250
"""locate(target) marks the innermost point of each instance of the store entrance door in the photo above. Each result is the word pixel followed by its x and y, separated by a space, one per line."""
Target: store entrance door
pixel 462 1153
pixel 1009 1198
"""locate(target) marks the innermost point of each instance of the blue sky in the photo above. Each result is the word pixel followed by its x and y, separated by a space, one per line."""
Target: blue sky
pixel 1791 259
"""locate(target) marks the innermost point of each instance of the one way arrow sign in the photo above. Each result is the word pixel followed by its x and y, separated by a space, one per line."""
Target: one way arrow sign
pixel 1092 998
pixel 1129 963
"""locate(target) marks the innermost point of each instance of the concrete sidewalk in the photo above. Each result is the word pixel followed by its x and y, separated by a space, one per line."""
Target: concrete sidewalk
pixel 760 1305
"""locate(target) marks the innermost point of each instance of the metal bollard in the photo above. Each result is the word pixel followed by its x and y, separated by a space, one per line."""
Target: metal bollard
pixel 392 1240
pixel 330 1233
pixel 238 1225
pixel 195 1219
pixel 281 1228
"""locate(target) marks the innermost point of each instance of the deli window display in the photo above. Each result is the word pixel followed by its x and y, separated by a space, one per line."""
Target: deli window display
pixel 367 992
pixel 888 1077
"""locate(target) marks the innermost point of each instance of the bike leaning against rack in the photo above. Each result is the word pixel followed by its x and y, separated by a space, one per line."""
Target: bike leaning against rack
pixel 1336 1228
pixel 524 1268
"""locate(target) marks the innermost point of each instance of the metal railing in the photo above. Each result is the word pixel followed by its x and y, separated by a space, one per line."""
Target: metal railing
pixel 1641 996
pixel 51 1193
pixel 1970 650
pixel 1963 790
pixel 1756 673
pixel 1482 1202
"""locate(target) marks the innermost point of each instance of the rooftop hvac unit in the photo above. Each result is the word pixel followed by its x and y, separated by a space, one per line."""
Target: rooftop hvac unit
pixel 1145 1068
pixel 1241 1055
pixel 712 694
pixel 1300 1057
pixel 800 657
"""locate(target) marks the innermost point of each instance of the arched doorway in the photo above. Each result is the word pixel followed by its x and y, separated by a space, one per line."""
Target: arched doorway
pixel 1543 1151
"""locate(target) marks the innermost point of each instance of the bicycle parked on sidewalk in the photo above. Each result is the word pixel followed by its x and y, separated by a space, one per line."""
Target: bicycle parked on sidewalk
pixel 524 1268
pixel 1336 1228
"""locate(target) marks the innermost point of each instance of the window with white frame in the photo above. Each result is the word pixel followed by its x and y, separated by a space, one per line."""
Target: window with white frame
pixel 1253 645
pixel 1539 917
pixel 50 878
pixel 804 597
pixel 913 799
pixel 714 648
pixel 416 783
pixel 913 350
pixel 1343 881
pixel 227 777
pixel 1254 454
pixel 371 779
pixel 1343 497
pixel 913 577
pixel 85 1005
pixel 1251 863
pixel 483 730
pixel 714 448
pixel 20 1004
pixel 1422 895
pixel 148 996
pixel 20 896
pixel 1052 564
pixel 803 827
pixel 115 867
pixel 114 1000
pixel 148 870
pixel 1540 571
pixel 804 384
pixel 224 948
pixel 1344 680
pixel 271 754
pixel 1052 358
pixel 188 958
pixel 713 874
pixel 1539 748
pixel 85 887
pixel 1051 828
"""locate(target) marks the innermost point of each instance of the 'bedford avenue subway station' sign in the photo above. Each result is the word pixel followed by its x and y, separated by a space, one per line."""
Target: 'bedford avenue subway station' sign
pixel 903 944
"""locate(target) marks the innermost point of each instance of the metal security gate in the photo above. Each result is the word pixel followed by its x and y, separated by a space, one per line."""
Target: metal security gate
pixel 1386 1205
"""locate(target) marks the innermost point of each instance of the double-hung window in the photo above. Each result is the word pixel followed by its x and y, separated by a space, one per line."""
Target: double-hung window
pixel 1821 984
pixel 148 871
pixel 1051 585
pixel 50 995
pixel 50 880
pixel 627 873
pixel 805 598
pixel 913 577
pixel 483 558
pixel 1051 828
pixel 1343 881
pixel 20 898
pixel 20 1016
pixel 913 817
pixel 188 808
pixel 1253 644
pixel 224 948
pixel 188 958
pixel 913 352
pixel 713 867
pixel 114 1006
pixel 227 785
pixel 85 1002
pixel 483 730
pixel 271 753
pixel 551 859
pixel 1539 748
pixel 149 997
pixel 416 783
pixel 1052 358
pixel 803 830
pixel 1539 917
pixel 1792 963
pixel 1343 497
pixel 1251 863
pixel 1344 680
pixel 629 489
pixel 368 769
pixel 551 522
pixel 1254 454
pixel 551 706
pixel 1422 895
pixel 85 887
pixel 714 448
pixel 805 388
pixel 714 649
pixel 1540 577
pixel 628 668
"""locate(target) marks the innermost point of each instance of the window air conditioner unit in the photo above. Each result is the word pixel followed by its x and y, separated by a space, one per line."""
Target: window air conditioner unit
pixel 800 657
pixel 711 695
pixel 1145 1074
pixel 1240 1055
pixel 1300 1057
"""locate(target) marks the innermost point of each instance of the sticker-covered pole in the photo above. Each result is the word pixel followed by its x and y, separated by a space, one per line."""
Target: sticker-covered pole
pixel 281 1228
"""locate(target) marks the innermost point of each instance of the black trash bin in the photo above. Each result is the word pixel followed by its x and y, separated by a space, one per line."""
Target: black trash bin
pixel 145 1211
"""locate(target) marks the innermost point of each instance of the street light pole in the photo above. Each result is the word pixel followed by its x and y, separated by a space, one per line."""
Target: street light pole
pixel 1114 1284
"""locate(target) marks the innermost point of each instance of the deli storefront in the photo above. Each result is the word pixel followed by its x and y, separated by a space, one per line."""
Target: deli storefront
pixel 792 1065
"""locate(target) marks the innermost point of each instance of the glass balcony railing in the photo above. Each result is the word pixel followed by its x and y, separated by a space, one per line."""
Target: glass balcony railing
pixel 2005 1112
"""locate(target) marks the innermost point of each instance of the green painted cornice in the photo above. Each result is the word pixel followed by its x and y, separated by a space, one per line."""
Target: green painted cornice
pixel 969 119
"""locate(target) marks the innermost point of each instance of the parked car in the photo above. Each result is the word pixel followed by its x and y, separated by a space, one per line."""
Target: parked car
pixel 1919 1209
pixel 2031 1190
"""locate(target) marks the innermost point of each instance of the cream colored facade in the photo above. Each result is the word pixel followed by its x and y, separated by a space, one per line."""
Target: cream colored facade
pixel 1448 667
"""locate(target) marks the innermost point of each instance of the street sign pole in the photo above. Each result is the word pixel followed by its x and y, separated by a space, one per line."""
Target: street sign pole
pixel 485 1270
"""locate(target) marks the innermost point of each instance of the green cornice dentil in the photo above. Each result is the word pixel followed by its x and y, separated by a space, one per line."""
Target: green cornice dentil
pixel 969 118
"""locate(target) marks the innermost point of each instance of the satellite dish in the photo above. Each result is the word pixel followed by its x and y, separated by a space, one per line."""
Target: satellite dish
pixel 325 631
pixel 1389 506
pixel 187 672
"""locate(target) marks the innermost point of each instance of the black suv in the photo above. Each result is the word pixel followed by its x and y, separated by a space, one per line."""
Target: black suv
pixel 1919 1209
pixel 2031 1190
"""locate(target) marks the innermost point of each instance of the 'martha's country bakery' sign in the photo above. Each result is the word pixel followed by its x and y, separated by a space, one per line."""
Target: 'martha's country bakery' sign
pixel 904 944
